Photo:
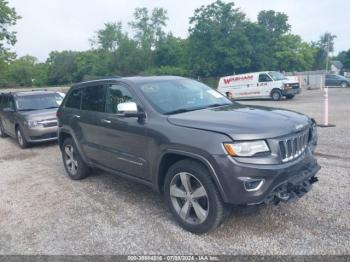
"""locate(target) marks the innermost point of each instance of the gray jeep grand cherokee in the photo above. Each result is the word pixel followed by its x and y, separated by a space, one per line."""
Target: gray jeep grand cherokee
pixel 203 152
pixel 30 117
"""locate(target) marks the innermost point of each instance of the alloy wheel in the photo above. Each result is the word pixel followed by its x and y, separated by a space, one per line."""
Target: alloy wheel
pixel 20 137
pixel 189 198
pixel 70 159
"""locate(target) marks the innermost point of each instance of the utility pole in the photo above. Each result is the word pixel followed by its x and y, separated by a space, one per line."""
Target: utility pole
pixel 327 50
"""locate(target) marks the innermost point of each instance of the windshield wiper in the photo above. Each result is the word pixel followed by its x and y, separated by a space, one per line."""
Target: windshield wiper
pixel 28 109
pixel 217 105
pixel 50 107
pixel 178 111
pixel 184 110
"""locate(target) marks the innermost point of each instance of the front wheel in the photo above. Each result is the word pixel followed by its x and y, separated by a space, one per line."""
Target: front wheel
pixel 21 140
pixel 276 95
pixel 193 198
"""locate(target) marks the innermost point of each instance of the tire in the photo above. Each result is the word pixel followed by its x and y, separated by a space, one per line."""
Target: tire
pixel 289 96
pixel 276 95
pixel 202 209
pixel 344 84
pixel 2 132
pixel 74 165
pixel 21 140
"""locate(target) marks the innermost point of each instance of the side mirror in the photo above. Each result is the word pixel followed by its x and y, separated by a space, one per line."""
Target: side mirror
pixel 129 109
pixel 8 110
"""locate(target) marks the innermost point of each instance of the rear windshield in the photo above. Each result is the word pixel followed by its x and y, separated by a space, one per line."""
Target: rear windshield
pixel 38 102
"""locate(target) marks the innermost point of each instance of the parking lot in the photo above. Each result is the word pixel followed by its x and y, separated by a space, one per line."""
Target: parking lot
pixel 44 212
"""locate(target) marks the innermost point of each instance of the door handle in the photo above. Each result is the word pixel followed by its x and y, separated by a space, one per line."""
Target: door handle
pixel 106 121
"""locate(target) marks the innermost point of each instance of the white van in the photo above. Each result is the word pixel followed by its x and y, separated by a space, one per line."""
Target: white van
pixel 268 84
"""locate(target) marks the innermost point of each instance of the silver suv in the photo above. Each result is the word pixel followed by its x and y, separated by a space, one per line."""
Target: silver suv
pixel 30 117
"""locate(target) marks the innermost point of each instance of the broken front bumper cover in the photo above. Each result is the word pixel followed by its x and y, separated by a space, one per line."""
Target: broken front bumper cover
pixel 294 188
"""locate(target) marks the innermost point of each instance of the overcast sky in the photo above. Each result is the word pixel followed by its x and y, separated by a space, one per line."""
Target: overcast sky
pixel 48 25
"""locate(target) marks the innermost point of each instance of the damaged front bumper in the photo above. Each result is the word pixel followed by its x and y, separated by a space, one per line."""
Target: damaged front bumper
pixel 283 182
pixel 294 188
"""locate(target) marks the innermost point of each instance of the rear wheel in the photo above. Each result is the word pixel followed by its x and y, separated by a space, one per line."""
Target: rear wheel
pixel 21 140
pixel 344 84
pixel 2 132
pixel 75 167
pixel 276 95
pixel 289 96
pixel 193 198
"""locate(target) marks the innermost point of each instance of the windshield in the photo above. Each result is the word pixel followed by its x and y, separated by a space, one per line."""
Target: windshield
pixel 181 95
pixel 38 102
pixel 276 76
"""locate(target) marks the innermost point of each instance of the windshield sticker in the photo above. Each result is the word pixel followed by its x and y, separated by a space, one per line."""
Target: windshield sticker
pixel 214 93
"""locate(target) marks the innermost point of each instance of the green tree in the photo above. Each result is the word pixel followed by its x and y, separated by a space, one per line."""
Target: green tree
pixel 292 54
pixel 149 28
pixel 171 51
pixel 89 64
pixel 217 42
pixel 62 67
pixel 109 37
pixel 129 59
pixel 8 18
pixel 344 57
pixel 262 57
pixel 275 23
pixel 322 46
pixel 21 71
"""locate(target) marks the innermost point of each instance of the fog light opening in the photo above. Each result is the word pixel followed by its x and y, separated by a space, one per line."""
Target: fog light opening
pixel 253 184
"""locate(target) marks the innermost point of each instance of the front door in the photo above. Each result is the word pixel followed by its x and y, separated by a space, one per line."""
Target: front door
pixel 124 138
pixel 265 85
pixel 117 143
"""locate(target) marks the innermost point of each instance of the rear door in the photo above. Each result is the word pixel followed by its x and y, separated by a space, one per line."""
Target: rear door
pixel 72 113
pixel 8 120
pixel 90 121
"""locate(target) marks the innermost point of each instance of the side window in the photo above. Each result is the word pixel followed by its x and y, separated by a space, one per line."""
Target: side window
pixel 74 99
pixel 10 103
pixel 117 94
pixel 94 99
pixel 264 78
pixel 4 102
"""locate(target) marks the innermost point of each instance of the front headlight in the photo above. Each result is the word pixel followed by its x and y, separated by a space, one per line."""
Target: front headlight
pixel 34 123
pixel 246 148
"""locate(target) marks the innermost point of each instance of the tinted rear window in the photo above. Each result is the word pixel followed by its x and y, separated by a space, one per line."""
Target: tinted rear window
pixel 74 99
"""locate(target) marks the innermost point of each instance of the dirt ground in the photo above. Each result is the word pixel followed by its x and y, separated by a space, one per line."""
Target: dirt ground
pixel 44 212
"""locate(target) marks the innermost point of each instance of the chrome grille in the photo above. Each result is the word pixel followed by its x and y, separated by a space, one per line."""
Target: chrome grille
pixel 49 122
pixel 292 147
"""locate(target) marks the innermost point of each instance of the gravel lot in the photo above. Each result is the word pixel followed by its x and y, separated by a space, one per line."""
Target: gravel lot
pixel 43 212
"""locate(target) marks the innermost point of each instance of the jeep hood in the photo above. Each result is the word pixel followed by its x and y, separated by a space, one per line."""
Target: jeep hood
pixel 243 122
